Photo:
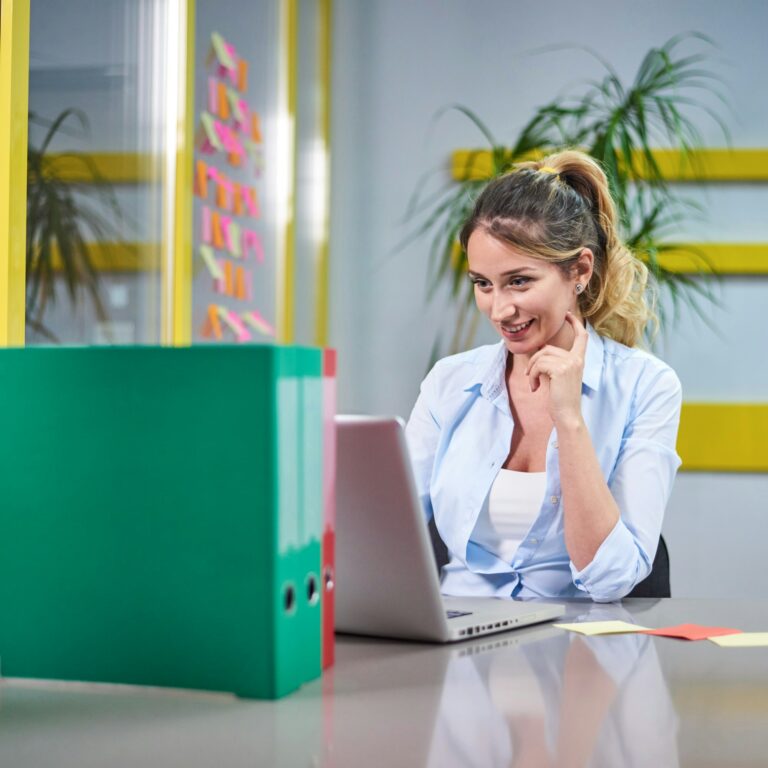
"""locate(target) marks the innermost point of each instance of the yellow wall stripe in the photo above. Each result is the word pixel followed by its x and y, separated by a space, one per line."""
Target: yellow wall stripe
pixel 721 258
pixel 724 437
pixel 714 164
pixel 117 257
pixel 724 258
pixel 14 96
pixel 112 167
pixel 325 22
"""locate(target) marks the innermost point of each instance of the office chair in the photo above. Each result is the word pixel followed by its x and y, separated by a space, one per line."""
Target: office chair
pixel 656 584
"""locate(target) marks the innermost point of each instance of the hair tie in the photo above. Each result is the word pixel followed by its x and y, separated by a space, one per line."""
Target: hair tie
pixel 548 169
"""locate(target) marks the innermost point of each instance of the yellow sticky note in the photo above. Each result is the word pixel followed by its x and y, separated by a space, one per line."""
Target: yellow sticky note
pixel 222 54
pixel 602 627
pixel 742 640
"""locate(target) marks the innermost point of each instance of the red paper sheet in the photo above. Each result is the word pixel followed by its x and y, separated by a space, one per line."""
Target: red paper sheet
pixel 691 631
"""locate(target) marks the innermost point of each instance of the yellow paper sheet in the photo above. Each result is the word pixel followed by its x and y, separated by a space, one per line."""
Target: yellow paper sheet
pixel 602 627
pixel 742 640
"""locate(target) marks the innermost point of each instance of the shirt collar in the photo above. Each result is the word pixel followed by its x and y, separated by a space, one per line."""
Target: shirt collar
pixel 491 379
pixel 593 359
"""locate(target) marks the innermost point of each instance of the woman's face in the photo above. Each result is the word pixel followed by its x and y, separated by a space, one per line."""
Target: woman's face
pixel 526 299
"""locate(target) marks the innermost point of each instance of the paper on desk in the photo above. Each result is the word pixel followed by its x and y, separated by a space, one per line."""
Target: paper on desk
pixel 692 632
pixel 601 627
pixel 742 640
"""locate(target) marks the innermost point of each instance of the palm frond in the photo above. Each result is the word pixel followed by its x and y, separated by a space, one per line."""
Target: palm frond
pixel 619 124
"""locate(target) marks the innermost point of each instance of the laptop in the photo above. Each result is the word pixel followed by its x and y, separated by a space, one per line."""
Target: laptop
pixel 386 577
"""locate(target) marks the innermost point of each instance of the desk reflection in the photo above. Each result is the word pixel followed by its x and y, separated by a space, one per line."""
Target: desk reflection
pixel 553 698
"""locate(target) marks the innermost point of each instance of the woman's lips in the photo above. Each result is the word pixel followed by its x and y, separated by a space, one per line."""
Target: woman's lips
pixel 517 331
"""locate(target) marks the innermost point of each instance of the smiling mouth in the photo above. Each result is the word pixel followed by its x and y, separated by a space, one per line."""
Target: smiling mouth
pixel 516 328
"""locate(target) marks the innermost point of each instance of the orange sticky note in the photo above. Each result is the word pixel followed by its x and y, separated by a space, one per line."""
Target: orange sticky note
pixel 242 75
pixel 228 287
pixel 239 283
pixel 201 179
pixel 234 159
pixel 255 127
pixel 218 235
pixel 212 324
pixel 238 195
pixel 221 196
pixel 223 102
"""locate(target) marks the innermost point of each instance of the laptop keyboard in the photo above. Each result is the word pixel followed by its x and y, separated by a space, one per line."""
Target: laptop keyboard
pixel 456 614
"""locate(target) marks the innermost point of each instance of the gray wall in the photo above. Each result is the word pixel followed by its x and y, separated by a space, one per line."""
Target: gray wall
pixel 396 63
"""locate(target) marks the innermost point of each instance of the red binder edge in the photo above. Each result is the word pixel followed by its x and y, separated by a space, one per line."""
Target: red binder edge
pixel 329 506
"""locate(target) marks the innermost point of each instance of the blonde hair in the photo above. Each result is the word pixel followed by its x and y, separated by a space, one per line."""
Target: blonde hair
pixel 552 209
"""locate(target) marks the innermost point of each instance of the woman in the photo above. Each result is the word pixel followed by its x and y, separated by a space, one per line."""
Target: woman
pixel 547 459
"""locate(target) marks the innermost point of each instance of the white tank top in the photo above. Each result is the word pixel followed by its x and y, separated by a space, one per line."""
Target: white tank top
pixel 513 504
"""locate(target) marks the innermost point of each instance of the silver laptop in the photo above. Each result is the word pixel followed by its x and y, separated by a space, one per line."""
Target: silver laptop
pixel 386 578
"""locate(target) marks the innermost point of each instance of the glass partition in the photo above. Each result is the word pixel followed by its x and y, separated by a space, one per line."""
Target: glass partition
pixel 101 79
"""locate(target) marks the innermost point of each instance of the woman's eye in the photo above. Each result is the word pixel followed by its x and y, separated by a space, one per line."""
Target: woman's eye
pixel 481 284
pixel 518 282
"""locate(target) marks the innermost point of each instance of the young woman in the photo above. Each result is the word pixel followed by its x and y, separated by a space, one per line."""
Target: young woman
pixel 547 459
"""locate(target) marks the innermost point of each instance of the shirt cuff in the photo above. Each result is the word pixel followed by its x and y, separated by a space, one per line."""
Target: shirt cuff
pixel 613 570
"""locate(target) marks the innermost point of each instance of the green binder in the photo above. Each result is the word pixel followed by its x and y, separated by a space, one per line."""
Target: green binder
pixel 159 516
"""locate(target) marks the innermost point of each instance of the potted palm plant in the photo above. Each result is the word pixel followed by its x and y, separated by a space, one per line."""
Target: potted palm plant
pixel 62 219
pixel 616 123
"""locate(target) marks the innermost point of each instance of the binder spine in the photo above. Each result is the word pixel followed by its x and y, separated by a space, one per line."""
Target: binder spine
pixel 329 506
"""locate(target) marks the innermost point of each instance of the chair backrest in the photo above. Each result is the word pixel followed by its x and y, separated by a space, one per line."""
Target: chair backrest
pixel 656 584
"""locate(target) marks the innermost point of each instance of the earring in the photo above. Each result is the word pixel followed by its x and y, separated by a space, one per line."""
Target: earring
pixel 579 288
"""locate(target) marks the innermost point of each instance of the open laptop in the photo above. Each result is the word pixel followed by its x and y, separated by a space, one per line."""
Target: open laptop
pixel 386 579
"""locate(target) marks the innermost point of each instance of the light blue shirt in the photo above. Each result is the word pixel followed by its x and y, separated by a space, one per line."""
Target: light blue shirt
pixel 459 435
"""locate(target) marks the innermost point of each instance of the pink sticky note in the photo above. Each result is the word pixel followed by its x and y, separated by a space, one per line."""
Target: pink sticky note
pixel 259 322
pixel 251 203
pixel 219 285
pixel 248 285
pixel 206 235
pixel 691 631
pixel 252 242
pixel 241 115
pixel 226 221
pixel 213 95
pixel 223 71
pixel 229 139
pixel 243 334
pixel 232 51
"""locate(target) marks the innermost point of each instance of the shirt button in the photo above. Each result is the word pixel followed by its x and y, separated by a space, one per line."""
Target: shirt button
pixel 534 541
pixel 554 445
pixel 554 499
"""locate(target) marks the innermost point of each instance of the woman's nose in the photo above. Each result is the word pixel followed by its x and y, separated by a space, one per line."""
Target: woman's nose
pixel 502 307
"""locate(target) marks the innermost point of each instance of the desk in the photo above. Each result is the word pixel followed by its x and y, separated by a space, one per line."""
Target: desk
pixel 537 697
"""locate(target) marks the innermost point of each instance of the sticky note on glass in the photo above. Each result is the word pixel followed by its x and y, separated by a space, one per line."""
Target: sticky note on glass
pixel 211 326
pixel 255 320
pixel 742 640
pixel 602 627
pixel 222 51
pixel 222 102
pixel 242 75
pixel 218 237
pixel 692 632
pixel 201 179
pixel 209 127
pixel 207 253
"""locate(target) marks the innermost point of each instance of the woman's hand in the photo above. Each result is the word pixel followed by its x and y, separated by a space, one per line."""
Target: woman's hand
pixel 559 373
